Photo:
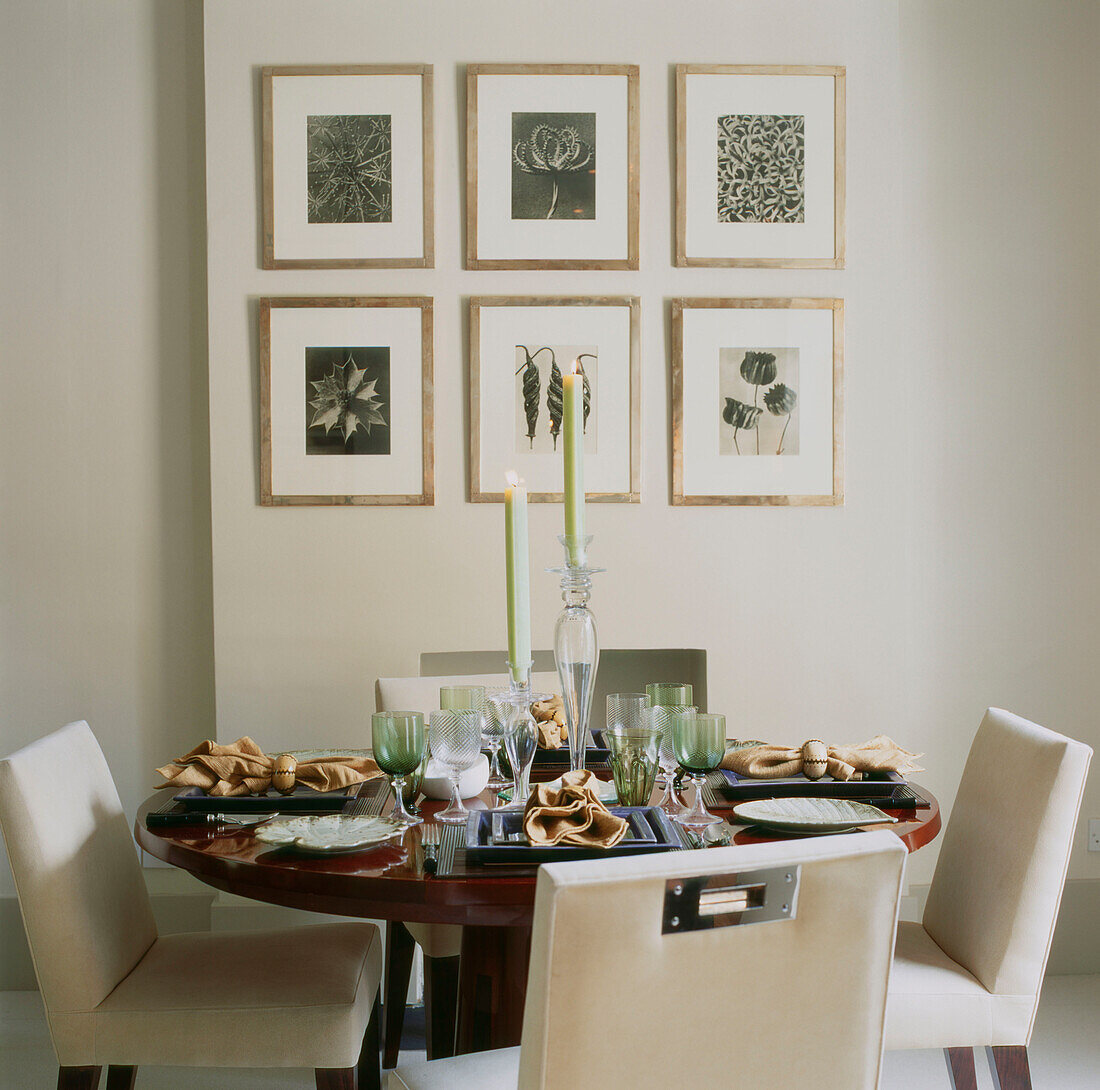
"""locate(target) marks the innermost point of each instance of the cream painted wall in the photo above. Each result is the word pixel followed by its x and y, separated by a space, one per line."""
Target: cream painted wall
pixel 957 574
pixel 105 601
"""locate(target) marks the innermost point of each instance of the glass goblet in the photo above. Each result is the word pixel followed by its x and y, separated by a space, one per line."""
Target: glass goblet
pixel 699 740
pixel 664 697
pixel 520 740
pixel 399 744
pixel 455 738
pixel 625 709
pixel 492 736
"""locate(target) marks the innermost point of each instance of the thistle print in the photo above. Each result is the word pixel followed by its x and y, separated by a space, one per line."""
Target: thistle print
pixel 554 395
pixel 559 149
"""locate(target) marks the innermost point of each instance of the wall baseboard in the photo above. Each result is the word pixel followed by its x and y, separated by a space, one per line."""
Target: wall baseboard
pixel 182 903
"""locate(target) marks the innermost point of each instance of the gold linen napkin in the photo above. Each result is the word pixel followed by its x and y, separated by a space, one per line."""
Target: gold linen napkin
pixel 571 814
pixel 549 717
pixel 878 754
pixel 242 768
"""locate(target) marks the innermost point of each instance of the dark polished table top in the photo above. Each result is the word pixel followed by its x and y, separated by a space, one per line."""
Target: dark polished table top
pixel 388 882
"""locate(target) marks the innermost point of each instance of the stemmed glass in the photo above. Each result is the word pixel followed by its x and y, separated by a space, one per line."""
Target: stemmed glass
pixel 664 698
pixel 699 740
pixel 520 739
pixel 399 744
pixel 455 738
pixel 492 735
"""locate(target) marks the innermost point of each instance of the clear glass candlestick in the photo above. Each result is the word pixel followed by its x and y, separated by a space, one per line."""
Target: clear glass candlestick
pixel 576 646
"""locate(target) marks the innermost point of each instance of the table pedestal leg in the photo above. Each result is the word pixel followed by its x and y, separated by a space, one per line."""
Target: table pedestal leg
pixel 492 983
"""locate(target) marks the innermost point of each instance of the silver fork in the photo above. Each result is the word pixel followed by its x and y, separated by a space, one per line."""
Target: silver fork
pixel 429 839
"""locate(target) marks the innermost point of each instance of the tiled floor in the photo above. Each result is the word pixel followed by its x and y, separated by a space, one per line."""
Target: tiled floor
pixel 1065 1051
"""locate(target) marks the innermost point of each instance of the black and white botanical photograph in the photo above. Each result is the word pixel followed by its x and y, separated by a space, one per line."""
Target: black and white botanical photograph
pixel 348 408
pixel 538 394
pixel 758 401
pixel 553 166
pixel 536 134
pixel 348 174
pixel 349 166
pixel 761 168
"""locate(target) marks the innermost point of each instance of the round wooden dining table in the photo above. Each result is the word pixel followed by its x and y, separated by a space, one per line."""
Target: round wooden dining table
pixel 494 905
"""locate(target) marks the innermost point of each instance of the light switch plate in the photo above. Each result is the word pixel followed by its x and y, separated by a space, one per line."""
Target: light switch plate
pixel 1094 835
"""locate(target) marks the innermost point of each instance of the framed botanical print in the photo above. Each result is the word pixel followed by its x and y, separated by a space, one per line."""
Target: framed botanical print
pixel 760 166
pixel 552 166
pixel 520 347
pixel 347 165
pixel 757 405
pixel 346 401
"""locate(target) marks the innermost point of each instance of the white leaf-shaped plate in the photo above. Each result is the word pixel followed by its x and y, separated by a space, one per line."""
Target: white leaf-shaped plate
pixel 811 815
pixel 329 834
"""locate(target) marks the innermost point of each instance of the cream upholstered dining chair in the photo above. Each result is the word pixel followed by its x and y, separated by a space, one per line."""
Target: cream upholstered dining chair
pixel 440 943
pixel 118 994
pixel 652 971
pixel 970 974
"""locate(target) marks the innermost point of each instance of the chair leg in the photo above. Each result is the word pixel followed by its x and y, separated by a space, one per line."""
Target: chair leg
pixel 78 1078
pixel 440 1006
pixel 960 1068
pixel 336 1078
pixel 368 1070
pixel 400 947
pixel 121 1078
pixel 1009 1067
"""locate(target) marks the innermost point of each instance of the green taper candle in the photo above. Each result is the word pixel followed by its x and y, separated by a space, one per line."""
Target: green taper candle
pixel 573 446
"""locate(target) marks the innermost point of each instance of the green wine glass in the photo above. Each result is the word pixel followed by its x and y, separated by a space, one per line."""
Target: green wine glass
pixel 400 745
pixel 699 741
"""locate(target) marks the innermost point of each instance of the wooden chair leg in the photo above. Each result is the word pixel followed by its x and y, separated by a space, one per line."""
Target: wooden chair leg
pixel 368 1069
pixel 121 1078
pixel 960 1068
pixel 1009 1067
pixel 78 1078
pixel 440 1006
pixel 400 947
pixel 336 1078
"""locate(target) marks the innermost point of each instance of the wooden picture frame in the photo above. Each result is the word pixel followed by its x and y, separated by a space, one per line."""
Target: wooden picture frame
pixel 495 324
pixel 292 239
pixel 745 228
pixel 493 239
pixel 819 341
pixel 292 397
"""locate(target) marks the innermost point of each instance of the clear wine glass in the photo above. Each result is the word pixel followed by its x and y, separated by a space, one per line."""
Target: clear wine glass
pixel 699 740
pixel 399 744
pixel 520 740
pixel 492 736
pixel 664 698
pixel 455 738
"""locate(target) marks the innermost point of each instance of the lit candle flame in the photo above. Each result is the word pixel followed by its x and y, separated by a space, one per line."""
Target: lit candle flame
pixel 577 365
pixel 512 478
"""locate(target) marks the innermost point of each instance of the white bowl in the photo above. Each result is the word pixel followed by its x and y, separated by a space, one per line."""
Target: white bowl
pixel 437 784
